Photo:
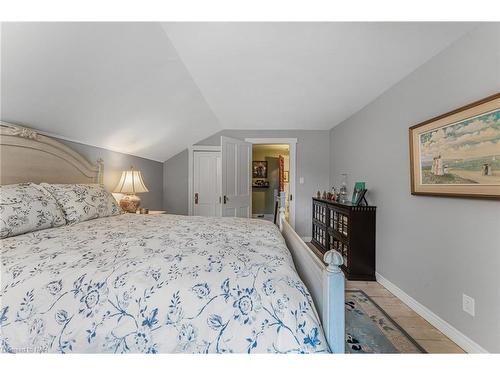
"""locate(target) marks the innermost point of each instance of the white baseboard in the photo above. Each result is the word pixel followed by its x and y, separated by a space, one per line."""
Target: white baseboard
pixel 306 239
pixel 453 334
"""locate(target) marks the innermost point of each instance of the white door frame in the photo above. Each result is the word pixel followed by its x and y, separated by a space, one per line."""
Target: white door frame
pixel 292 144
pixel 191 151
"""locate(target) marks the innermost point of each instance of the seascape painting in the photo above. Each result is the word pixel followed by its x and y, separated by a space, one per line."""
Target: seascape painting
pixel 458 153
pixel 467 152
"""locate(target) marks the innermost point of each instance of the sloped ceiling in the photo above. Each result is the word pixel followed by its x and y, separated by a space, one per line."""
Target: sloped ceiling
pixel 120 86
pixel 152 89
pixel 302 75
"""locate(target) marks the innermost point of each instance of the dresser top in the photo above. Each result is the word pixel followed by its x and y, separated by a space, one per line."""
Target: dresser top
pixel 347 206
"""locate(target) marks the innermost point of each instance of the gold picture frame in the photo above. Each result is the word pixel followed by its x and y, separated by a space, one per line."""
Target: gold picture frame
pixel 457 154
pixel 285 177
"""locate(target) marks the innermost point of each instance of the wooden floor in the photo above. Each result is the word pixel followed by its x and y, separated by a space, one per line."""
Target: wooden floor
pixel 431 339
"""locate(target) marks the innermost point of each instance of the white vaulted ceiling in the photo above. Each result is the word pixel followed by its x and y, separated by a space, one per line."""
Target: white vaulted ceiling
pixel 119 86
pixel 152 89
pixel 301 75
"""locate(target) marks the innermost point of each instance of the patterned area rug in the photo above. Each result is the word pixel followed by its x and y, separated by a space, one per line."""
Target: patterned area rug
pixel 370 330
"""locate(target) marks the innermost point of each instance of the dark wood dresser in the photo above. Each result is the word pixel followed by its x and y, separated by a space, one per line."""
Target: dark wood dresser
pixel 351 231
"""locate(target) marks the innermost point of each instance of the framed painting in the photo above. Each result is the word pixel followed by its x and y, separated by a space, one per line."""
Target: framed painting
pixel 458 154
pixel 259 169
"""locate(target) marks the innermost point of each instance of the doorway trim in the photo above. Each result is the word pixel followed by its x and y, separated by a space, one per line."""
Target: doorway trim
pixel 292 149
pixel 191 150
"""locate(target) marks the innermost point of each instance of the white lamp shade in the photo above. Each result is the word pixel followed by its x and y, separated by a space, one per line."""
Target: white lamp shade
pixel 131 182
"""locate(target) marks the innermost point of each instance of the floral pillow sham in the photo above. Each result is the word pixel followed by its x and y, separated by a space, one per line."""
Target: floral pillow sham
pixel 82 202
pixel 27 207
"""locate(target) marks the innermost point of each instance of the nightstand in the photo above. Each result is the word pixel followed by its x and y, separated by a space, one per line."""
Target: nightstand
pixel 152 212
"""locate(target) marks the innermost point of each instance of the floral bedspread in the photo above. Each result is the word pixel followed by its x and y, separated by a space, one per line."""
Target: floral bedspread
pixel 148 284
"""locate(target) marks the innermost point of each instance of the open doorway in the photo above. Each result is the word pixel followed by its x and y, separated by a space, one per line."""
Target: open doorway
pixel 270 179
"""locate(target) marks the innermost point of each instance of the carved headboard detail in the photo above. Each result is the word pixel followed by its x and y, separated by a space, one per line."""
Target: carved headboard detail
pixel 28 156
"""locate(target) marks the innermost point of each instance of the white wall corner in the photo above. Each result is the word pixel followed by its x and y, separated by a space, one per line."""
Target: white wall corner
pixel 306 239
pixel 447 329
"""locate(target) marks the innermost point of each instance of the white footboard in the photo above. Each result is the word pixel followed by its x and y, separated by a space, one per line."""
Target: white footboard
pixel 325 283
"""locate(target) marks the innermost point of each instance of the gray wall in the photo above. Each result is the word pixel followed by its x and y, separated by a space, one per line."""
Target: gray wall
pixel 175 184
pixel 432 248
pixel 115 163
pixel 312 165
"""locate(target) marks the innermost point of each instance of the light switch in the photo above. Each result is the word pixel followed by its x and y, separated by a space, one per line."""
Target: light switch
pixel 301 180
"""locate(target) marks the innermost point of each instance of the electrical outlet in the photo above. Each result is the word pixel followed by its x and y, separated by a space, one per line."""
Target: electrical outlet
pixel 468 304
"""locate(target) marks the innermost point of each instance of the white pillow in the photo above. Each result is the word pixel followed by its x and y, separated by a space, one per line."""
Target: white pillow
pixel 82 202
pixel 27 207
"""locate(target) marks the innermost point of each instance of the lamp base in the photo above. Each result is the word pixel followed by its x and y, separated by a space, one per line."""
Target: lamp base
pixel 130 203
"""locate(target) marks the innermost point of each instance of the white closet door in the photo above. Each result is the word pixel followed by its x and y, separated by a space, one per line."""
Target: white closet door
pixel 207 183
pixel 236 177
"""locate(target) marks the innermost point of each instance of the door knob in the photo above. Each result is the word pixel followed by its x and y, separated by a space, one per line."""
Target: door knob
pixel 225 199
pixel 195 198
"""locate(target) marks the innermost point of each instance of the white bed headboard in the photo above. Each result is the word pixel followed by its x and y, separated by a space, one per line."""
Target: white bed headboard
pixel 28 156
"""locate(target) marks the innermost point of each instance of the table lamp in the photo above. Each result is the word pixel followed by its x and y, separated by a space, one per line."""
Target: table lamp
pixel 131 182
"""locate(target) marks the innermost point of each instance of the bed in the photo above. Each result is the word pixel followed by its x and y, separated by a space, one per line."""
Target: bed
pixel 158 284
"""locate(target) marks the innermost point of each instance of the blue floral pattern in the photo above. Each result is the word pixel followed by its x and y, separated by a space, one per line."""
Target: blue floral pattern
pixel 81 202
pixel 26 208
pixel 149 284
